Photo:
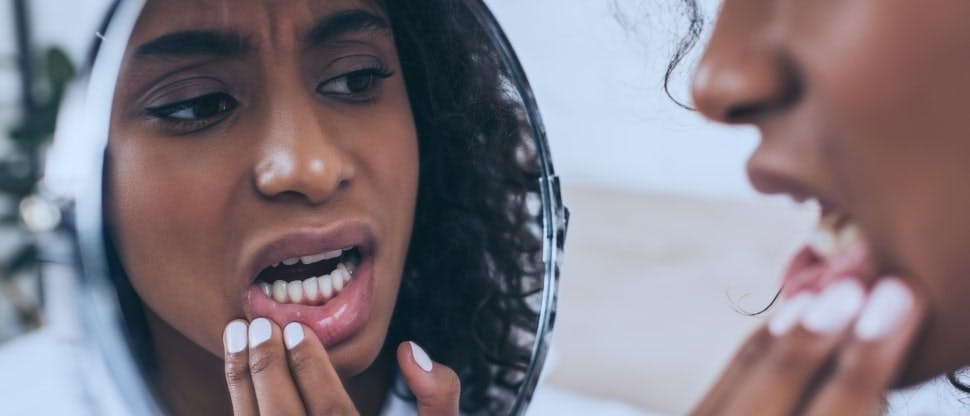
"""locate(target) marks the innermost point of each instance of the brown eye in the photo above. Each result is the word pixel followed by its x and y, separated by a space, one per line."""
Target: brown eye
pixel 198 108
pixel 356 85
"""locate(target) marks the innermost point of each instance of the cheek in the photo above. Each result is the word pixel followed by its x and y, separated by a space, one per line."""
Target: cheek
pixel 902 158
pixel 166 228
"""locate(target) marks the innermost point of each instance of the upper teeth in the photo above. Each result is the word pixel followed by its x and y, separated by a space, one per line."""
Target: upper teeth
pixel 313 258
pixel 833 235
pixel 312 291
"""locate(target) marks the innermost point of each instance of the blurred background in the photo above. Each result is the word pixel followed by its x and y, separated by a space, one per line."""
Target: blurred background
pixel 668 245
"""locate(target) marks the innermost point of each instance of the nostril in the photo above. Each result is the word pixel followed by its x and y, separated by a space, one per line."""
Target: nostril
pixel 785 97
pixel 742 113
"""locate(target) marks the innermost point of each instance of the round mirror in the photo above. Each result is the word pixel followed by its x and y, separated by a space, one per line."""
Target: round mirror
pixel 375 172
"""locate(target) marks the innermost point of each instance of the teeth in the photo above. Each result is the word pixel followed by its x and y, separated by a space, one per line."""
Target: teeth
pixel 279 291
pixel 295 290
pixel 321 256
pixel 326 287
pixel 292 261
pixel 340 277
pixel 832 236
pixel 311 291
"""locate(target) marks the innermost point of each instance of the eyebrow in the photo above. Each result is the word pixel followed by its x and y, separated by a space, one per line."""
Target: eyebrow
pixel 344 22
pixel 230 44
pixel 196 42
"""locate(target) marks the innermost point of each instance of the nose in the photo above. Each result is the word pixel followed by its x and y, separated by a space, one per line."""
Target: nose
pixel 744 72
pixel 301 156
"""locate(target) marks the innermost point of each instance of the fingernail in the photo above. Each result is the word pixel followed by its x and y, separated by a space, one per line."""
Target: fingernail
pixel 293 334
pixel 835 307
pixel 235 337
pixel 888 306
pixel 420 357
pixel 789 314
pixel 259 331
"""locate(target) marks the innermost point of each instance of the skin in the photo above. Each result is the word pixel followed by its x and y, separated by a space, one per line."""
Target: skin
pixel 287 145
pixel 862 104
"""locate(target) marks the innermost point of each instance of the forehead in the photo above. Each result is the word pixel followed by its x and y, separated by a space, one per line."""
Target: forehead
pixel 270 21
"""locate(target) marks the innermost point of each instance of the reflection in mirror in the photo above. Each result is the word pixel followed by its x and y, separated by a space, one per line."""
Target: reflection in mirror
pixel 308 196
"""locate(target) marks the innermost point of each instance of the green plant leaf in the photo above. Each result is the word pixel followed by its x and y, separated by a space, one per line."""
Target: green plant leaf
pixel 25 257
pixel 60 70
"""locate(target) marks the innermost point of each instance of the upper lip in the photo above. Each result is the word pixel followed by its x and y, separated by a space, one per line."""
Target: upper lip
pixel 305 241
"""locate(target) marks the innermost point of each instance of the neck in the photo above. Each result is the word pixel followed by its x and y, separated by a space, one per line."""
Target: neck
pixel 191 380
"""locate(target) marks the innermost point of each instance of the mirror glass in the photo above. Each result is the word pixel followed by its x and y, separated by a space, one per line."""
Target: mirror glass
pixel 376 172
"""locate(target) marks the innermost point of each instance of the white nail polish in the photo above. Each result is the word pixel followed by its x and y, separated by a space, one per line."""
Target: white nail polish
pixel 789 314
pixel 259 332
pixel 420 357
pixel 293 334
pixel 888 306
pixel 835 307
pixel 235 336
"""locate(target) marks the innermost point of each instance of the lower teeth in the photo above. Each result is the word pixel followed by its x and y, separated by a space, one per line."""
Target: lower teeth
pixel 311 291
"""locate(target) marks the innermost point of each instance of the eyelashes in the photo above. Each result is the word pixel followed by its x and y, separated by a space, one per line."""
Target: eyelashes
pixel 354 87
pixel 195 113
pixel 361 85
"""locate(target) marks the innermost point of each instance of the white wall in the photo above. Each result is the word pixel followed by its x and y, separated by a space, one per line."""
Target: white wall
pixel 599 88
pixel 69 24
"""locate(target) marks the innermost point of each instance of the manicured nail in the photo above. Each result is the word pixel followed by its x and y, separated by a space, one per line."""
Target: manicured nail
pixel 835 307
pixel 420 357
pixel 235 336
pixel 293 334
pixel 790 313
pixel 888 306
pixel 259 331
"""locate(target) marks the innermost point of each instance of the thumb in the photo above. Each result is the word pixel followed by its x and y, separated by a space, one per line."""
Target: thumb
pixel 435 386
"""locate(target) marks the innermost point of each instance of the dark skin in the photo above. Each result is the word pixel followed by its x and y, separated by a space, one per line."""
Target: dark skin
pixel 861 104
pixel 274 120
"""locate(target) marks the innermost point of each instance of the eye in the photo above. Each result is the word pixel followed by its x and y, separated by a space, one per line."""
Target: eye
pixel 360 85
pixel 208 106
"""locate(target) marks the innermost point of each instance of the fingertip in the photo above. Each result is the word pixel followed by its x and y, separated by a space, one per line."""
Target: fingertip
pixel 293 334
pixel 420 357
pixel 260 331
pixel 434 384
pixel 235 336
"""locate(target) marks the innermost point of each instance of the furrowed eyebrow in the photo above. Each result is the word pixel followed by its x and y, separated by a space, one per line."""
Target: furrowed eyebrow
pixel 344 22
pixel 195 43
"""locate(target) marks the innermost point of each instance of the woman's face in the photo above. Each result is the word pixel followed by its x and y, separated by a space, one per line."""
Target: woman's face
pixel 245 134
pixel 862 105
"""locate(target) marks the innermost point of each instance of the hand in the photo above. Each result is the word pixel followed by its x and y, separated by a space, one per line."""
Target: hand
pixel 832 354
pixel 288 372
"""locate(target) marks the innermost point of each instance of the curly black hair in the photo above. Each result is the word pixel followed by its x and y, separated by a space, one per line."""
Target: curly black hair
pixel 474 266
pixel 474 263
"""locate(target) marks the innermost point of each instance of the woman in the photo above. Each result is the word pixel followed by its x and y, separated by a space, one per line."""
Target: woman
pixel 861 107
pixel 293 189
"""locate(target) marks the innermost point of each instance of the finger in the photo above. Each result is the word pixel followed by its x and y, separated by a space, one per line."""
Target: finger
pixel 747 356
pixel 319 385
pixel 807 339
pixel 751 354
pixel 276 393
pixel 865 369
pixel 238 380
pixel 435 386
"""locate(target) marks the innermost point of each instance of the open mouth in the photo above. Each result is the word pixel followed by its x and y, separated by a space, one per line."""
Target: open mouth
pixel 835 250
pixel 312 279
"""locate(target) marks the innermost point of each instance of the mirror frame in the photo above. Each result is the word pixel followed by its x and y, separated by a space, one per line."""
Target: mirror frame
pixel 74 187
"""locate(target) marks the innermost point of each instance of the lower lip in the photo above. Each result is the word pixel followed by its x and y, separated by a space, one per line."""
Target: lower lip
pixel 334 322
pixel 807 272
